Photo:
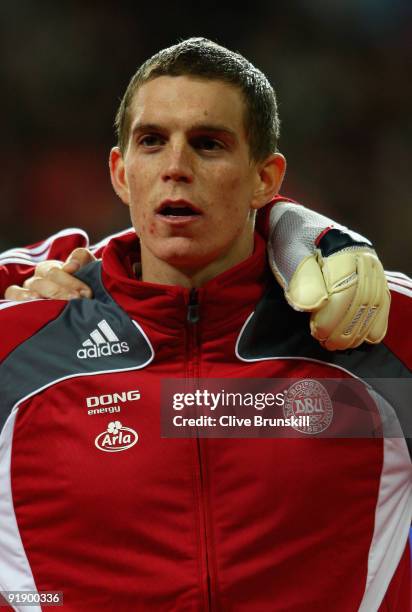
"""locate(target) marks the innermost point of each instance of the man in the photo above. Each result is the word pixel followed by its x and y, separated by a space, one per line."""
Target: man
pixel 102 508
pixel 329 283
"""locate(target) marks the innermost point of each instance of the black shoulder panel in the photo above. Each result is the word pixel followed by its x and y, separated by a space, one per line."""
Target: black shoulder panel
pixel 276 330
pixel 88 337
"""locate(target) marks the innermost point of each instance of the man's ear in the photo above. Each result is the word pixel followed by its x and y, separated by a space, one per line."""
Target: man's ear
pixel 118 175
pixel 269 179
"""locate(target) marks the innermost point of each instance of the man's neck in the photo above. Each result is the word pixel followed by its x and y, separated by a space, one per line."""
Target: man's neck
pixel 155 270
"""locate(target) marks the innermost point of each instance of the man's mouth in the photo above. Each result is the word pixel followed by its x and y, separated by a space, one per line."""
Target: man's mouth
pixel 177 208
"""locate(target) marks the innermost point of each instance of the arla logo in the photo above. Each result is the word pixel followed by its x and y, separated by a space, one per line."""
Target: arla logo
pixel 116 438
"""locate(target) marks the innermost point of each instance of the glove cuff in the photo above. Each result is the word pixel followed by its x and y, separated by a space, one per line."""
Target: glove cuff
pixel 333 240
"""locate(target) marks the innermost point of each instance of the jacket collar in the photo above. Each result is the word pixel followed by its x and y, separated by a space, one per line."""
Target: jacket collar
pixel 223 302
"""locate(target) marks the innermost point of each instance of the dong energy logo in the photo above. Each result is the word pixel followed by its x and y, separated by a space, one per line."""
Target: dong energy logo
pixel 98 404
pixel 116 438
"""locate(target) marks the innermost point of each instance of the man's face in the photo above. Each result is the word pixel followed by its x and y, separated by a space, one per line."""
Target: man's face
pixel 187 174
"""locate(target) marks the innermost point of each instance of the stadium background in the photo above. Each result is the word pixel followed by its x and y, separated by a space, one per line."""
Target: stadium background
pixel 342 71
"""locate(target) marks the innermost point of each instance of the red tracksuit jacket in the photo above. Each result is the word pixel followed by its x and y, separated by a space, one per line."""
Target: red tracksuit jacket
pixel 191 524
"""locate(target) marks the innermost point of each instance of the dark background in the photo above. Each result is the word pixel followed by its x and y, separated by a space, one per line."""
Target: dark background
pixel 342 70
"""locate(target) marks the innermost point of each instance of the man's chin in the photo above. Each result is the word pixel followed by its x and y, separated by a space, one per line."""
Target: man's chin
pixel 180 250
pixel 193 258
pixel 187 262
pixel 187 259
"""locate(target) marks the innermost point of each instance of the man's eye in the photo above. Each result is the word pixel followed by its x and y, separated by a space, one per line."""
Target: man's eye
pixel 151 140
pixel 208 144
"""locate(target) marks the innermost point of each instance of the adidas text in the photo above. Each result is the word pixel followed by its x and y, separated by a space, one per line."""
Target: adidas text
pixel 103 350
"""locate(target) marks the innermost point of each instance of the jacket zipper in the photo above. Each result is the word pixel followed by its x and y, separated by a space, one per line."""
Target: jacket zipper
pixel 193 308
pixel 193 317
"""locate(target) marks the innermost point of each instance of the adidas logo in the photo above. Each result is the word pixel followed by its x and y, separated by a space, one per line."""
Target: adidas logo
pixel 103 342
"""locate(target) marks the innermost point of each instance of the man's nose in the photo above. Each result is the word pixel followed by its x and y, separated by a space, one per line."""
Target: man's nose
pixel 178 165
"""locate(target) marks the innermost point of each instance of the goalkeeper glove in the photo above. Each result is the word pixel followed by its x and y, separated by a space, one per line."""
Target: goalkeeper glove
pixel 328 270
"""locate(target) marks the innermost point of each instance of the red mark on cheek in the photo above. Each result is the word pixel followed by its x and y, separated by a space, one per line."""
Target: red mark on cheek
pixel 152 228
